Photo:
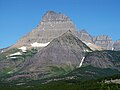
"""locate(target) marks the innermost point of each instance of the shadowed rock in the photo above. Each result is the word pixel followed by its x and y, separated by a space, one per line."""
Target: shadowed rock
pixel 64 50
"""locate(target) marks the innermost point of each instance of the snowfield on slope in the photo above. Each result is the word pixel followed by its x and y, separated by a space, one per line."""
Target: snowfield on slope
pixel 81 62
pixel 36 44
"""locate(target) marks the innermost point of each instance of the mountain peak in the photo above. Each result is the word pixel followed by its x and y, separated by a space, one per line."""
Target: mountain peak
pixel 54 17
pixel 85 36
pixel 69 30
pixel 66 49
pixel 51 26
pixel 68 33
pixel 69 38
pixel 49 13
pixel 83 31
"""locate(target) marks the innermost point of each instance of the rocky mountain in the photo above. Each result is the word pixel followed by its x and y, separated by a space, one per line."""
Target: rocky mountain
pixel 55 48
pixel 104 41
pixel 103 59
pixel 85 36
pixel 54 25
pixel 116 45
pixel 51 26
pixel 66 50
pixel 88 40
pixel 62 55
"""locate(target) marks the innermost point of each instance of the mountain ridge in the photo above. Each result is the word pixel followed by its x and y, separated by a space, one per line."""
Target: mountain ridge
pixel 63 50
pixel 55 24
pixel 56 48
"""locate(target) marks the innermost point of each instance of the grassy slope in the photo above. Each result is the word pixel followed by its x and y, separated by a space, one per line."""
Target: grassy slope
pixel 12 68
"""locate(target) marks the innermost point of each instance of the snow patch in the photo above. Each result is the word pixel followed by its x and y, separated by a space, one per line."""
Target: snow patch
pixel 89 44
pixel 2 51
pixel 13 57
pixel 36 44
pixel 81 62
pixel 23 48
pixel 86 50
pixel 112 48
pixel 17 53
pixel 10 72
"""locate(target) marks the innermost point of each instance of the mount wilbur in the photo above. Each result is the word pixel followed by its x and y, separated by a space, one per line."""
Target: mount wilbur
pixel 56 50
pixel 55 24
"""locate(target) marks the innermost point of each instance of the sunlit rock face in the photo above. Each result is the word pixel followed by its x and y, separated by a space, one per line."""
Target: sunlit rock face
pixel 51 26
pixel 85 36
pixel 104 41
pixel 116 45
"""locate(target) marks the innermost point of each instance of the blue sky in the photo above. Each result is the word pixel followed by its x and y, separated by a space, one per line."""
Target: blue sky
pixel 18 17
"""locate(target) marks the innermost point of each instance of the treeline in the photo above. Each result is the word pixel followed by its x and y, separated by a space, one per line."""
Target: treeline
pixel 68 85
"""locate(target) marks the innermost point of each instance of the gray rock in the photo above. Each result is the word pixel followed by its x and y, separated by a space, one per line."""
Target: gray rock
pixel 104 41
pixel 85 36
pixel 64 50
pixel 52 16
pixel 116 45
pixel 54 25
pixel 51 26
pixel 103 59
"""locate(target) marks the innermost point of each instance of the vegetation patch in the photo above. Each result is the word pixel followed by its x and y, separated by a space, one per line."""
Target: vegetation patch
pixel 61 70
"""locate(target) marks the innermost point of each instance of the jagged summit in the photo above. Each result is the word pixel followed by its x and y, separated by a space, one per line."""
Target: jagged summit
pixel 50 12
pixel 51 26
pixel 68 32
pixel 83 31
pixel 85 36
pixel 51 16
pixel 104 41
pixel 116 45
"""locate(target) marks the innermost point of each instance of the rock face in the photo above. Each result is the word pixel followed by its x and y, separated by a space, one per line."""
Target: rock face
pixel 116 45
pixel 88 40
pixel 64 50
pixel 52 25
pixel 3 49
pixel 52 16
pixel 104 41
pixel 85 36
pixel 103 59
